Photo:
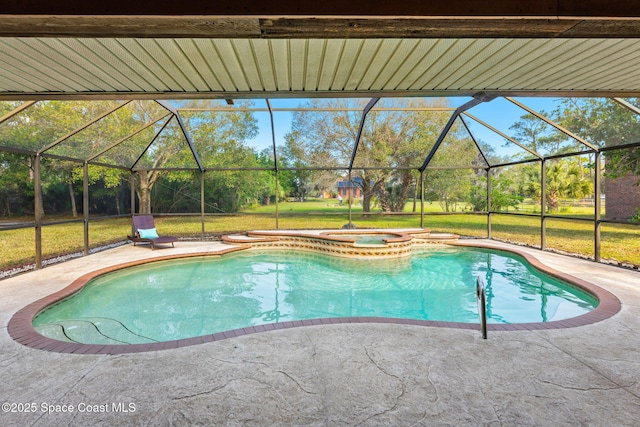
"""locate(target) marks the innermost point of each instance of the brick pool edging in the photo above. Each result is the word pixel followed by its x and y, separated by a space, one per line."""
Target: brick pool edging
pixel 21 329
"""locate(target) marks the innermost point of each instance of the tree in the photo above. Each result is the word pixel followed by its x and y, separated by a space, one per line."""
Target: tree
pixel 563 179
pixel 604 123
pixel 450 175
pixel 395 190
pixel 503 193
pixel 537 135
pixel 167 151
pixel 298 181
pixel 321 141
pixel 41 127
pixel 15 190
pixel 529 129
pixel 390 139
pixel 220 138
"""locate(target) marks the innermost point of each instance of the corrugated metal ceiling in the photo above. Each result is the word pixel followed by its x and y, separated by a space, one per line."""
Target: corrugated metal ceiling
pixel 284 67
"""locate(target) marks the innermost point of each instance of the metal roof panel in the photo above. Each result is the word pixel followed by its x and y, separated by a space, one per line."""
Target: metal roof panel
pixel 242 67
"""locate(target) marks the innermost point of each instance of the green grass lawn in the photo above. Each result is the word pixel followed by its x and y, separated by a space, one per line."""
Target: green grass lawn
pixel 618 241
pixel 333 206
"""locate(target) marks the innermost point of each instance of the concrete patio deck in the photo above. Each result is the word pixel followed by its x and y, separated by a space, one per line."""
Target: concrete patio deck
pixel 343 374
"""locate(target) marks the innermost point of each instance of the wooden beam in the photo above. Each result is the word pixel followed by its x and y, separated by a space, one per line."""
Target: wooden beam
pixel 326 19
pixel 313 27
pixel 468 8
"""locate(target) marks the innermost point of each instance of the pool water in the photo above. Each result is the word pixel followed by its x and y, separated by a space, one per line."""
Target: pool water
pixel 191 297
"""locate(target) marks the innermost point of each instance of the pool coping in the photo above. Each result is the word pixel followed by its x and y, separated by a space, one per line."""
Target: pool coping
pixel 21 329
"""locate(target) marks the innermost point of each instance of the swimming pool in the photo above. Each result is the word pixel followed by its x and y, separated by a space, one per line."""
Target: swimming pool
pixel 185 298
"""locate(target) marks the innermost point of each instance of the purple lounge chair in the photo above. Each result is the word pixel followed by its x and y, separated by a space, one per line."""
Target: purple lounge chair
pixel 145 232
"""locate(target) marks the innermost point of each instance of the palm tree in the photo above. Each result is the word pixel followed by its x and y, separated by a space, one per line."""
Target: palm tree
pixel 564 178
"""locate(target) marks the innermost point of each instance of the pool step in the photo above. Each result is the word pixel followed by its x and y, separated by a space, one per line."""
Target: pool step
pixel 91 331
pixel 53 331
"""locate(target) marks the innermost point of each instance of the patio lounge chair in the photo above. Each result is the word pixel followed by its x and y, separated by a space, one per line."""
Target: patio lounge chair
pixel 145 232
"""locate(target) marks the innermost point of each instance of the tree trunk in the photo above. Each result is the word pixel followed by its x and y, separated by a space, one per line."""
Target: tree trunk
pixel 393 198
pixel 74 209
pixel 38 203
pixel 407 179
pixel 366 200
pixel 415 197
pixel 145 200
pixel 553 201
pixel 367 193
pixel 144 192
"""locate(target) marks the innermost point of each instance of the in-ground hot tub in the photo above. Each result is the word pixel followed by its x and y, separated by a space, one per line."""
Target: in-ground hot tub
pixel 344 243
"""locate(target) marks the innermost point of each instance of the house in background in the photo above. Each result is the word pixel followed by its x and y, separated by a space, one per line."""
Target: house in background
pixel 350 189
pixel 622 197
